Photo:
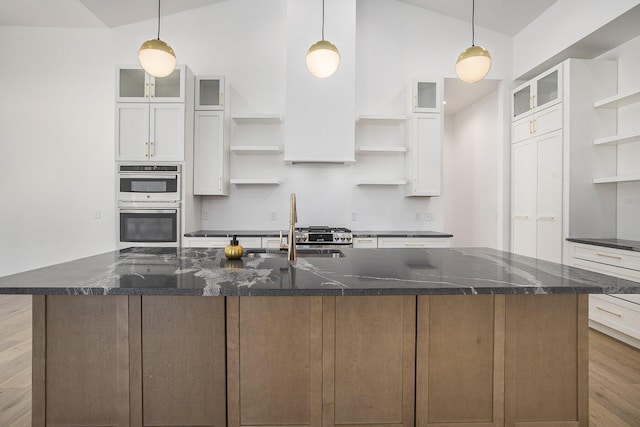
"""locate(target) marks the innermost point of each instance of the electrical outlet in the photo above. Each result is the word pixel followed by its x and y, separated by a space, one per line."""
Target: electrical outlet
pixel 205 215
pixel 274 216
pixel 354 216
pixel 418 216
pixel 97 214
pixel 429 216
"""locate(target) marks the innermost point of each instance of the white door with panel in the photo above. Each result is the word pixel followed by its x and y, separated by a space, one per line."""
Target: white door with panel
pixel 424 156
pixel 210 161
pixel 151 132
pixel 537 197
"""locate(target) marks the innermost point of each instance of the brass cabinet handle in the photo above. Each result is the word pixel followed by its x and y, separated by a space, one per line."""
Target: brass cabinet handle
pixel 414 245
pixel 152 150
pixel 608 311
pixel 521 217
pixel 365 240
pixel 533 105
pixel 530 127
pixel 146 149
pixel 535 125
pixel 153 92
pixel 547 218
pixel 220 183
pixel 146 90
pixel 609 256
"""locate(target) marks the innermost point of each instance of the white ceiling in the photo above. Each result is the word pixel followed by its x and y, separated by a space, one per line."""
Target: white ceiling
pixel 505 16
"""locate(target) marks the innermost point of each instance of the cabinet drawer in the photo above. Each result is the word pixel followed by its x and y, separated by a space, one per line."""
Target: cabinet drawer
pixel 545 121
pixel 365 242
pixel 620 315
pixel 415 242
pixel 221 242
pixel 627 262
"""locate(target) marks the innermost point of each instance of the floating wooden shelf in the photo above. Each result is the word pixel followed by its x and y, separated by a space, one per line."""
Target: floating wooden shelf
pixel 380 118
pixel 620 100
pixel 257 118
pixel 617 140
pixel 255 148
pixel 372 149
pixel 255 181
pixel 381 182
pixel 620 178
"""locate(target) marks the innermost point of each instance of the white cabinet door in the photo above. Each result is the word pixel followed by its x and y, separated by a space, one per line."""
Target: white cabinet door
pixel 424 156
pixel 540 92
pixel 132 132
pixel 427 96
pixel 210 154
pixel 365 242
pixel 549 200
pixel 524 191
pixel 166 124
pixel 209 93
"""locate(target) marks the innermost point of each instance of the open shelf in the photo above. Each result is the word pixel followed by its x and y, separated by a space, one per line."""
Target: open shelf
pixel 617 140
pixel 395 182
pixel 257 118
pixel 380 149
pixel 255 181
pixel 620 100
pixel 255 148
pixel 381 118
pixel 620 178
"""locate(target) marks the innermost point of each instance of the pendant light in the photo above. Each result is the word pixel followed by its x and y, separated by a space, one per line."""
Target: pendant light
pixel 473 64
pixel 156 56
pixel 323 57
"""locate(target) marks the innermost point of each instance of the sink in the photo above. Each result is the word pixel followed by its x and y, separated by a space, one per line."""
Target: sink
pixel 302 253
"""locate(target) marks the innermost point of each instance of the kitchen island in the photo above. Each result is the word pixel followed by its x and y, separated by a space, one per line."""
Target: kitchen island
pixel 393 337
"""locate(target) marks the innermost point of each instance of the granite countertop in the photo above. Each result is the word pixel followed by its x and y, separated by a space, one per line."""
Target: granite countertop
pixel 626 245
pixel 205 271
pixel 262 233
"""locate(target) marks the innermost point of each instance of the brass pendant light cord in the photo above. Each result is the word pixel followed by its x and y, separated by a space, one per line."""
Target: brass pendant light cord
pixel 158 19
pixel 473 22
pixel 322 19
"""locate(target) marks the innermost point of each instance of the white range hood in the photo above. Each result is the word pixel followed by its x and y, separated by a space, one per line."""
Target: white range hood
pixel 319 126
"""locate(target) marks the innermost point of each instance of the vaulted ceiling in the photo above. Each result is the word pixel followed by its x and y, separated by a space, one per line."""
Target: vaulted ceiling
pixel 504 16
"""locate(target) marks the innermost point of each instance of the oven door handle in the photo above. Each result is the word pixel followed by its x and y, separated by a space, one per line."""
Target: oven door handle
pixel 144 211
pixel 146 176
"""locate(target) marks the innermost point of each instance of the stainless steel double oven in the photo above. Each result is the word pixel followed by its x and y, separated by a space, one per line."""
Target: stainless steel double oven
pixel 149 205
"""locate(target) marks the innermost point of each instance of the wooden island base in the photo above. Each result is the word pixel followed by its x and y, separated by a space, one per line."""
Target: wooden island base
pixel 440 361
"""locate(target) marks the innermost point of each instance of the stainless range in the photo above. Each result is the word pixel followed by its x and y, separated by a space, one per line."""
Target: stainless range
pixel 323 237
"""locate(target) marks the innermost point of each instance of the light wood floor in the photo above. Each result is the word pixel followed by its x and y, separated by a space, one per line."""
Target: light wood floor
pixel 614 372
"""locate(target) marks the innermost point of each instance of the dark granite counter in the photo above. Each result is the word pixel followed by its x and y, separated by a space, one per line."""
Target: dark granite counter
pixel 625 245
pixel 191 271
pixel 255 233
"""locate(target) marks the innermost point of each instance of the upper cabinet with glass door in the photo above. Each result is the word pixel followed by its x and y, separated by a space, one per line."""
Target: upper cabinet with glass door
pixel 541 92
pixel 209 93
pixel 427 96
pixel 133 84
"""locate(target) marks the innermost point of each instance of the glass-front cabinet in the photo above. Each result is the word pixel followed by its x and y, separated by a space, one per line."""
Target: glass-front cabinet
pixel 209 93
pixel 133 84
pixel 540 92
pixel 427 96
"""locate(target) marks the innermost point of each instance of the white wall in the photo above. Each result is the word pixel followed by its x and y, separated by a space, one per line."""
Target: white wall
pixel 473 150
pixel 559 27
pixel 395 44
pixel 628 194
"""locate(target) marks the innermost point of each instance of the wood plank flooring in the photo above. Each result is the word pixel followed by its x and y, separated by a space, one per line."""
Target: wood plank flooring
pixel 614 372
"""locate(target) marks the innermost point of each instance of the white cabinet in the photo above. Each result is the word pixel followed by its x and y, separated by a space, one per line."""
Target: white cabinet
pixel 616 315
pixel 209 93
pixel 211 155
pixel 365 242
pixel 427 96
pixel 222 242
pixel 133 84
pixel 544 121
pixel 150 132
pixel 537 197
pixel 424 156
pixel 540 92
pixel 413 242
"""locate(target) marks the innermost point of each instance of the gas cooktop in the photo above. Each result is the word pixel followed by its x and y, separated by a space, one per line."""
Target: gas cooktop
pixel 323 235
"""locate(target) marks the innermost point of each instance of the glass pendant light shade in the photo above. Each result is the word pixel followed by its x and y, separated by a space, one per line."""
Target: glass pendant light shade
pixel 157 58
pixel 323 59
pixel 473 64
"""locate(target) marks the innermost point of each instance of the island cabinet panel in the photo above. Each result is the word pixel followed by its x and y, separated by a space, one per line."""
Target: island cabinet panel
pixel 80 361
pixel 546 361
pixel 369 361
pixel 460 361
pixel 182 365
pixel 274 354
